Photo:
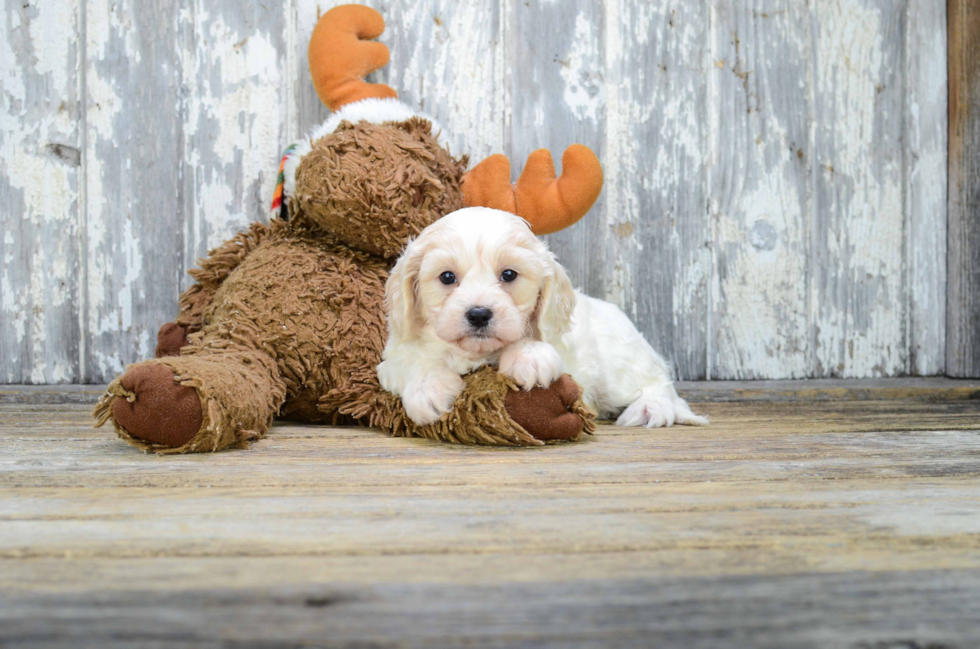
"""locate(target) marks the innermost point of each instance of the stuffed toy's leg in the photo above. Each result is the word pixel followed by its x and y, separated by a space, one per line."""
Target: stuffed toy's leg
pixel 194 402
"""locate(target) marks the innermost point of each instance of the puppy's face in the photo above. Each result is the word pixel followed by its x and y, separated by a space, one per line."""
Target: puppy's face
pixel 479 294
pixel 478 279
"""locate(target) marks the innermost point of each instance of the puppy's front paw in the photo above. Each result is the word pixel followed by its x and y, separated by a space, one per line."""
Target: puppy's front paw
pixel 531 363
pixel 432 396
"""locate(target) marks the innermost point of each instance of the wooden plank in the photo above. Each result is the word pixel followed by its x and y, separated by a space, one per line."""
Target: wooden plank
pixel 919 609
pixel 60 394
pixel 915 524
pixel 132 158
pixel 558 87
pixel 69 574
pixel 760 121
pixel 936 389
pixel 963 269
pixel 766 485
pixel 767 528
pixel 40 189
pixel 657 264
pixel 234 124
pixel 747 441
pixel 926 108
pixel 858 292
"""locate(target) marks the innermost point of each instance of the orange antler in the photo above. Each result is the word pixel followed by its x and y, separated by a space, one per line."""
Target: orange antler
pixel 341 55
pixel 548 203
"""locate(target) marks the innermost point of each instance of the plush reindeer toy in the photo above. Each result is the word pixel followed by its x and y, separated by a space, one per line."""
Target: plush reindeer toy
pixel 287 319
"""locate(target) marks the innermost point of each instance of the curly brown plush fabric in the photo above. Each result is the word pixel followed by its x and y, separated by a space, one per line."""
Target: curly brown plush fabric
pixel 413 181
pixel 288 319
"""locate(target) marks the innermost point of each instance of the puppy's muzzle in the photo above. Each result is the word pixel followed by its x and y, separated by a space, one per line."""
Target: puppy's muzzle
pixel 479 317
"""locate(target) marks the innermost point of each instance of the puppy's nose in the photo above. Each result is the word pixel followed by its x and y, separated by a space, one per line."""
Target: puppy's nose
pixel 479 316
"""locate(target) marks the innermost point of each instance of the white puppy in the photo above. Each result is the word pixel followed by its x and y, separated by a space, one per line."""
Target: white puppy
pixel 477 287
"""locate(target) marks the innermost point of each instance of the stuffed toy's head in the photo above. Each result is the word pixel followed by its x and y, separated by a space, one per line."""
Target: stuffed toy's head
pixel 377 173
pixel 377 186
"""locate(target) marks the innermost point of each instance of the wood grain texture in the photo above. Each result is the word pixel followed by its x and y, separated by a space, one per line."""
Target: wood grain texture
pixel 802 524
pixel 857 255
pixel 775 172
pixel 963 263
pixel 760 170
pixel 935 389
pixel 657 264
pixel 41 187
pixel 926 106
pixel 910 389
pixel 931 609
pixel 132 163
pixel 448 60
pixel 935 609
pixel 234 120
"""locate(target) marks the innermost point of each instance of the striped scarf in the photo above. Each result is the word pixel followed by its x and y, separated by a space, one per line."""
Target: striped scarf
pixel 279 208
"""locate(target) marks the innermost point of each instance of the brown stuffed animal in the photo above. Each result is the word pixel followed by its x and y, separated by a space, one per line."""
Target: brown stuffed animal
pixel 288 318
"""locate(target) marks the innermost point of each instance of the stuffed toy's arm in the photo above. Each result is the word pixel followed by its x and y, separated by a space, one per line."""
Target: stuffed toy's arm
pixel 491 410
pixel 210 274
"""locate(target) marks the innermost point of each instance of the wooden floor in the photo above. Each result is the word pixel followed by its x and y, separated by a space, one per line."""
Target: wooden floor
pixel 815 515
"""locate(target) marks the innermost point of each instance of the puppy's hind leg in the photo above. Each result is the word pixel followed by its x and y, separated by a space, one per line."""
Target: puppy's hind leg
pixel 683 414
pixel 621 373
pixel 657 406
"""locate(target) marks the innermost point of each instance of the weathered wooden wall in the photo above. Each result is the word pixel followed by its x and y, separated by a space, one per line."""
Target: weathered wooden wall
pixel 775 200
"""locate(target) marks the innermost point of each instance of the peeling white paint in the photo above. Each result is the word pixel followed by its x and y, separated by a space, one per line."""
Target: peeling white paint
pixel 864 333
pixel 234 127
pixel 758 177
pixel 616 140
pixel 104 106
pixel 444 61
pixel 582 84
pixel 39 189
pixel 53 31
pixel 925 57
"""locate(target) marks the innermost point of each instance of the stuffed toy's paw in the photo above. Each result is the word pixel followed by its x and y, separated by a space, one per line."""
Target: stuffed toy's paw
pixel 170 339
pixel 552 414
pixel 156 408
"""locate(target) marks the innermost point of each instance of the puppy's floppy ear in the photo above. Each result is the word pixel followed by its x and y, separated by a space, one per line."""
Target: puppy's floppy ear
pixel 401 292
pixel 556 302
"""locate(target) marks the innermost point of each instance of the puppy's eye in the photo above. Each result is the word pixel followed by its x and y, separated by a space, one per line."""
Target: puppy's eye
pixel 508 275
pixel 447 278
